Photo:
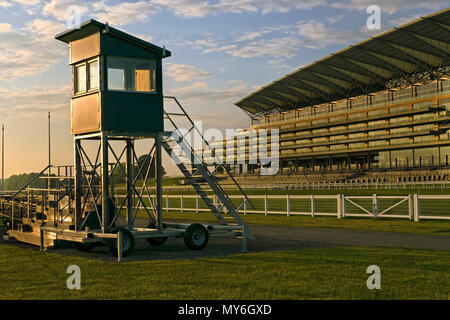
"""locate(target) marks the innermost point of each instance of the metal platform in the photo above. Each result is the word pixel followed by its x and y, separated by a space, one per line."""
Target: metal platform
pixel 81 204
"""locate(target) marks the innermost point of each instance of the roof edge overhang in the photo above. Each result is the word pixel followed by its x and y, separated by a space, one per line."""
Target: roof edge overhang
pixel 245 103
pixel 92 26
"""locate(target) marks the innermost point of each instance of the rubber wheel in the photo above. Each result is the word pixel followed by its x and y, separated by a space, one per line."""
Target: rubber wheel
pixel 156 242
pixel 127 243
pixel 196 237
pixel 84 247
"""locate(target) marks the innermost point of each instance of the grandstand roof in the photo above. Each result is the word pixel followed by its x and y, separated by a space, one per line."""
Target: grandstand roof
pixel 418 46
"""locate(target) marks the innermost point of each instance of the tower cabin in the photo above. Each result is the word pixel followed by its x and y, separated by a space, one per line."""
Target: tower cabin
pixel 117 81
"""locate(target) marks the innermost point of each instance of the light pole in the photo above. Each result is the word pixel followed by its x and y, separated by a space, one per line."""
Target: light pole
pixel 49 155
pixel 3 160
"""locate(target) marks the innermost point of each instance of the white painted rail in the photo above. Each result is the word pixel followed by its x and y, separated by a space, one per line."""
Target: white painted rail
pixel 412 206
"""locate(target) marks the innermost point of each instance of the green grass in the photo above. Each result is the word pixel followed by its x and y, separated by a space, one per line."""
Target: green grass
pixel 431 227
pixel 327 273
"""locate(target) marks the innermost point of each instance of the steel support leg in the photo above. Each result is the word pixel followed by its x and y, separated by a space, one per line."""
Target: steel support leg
pixel 158 175
pixel 119 246
pixel 105 184
pixel 78 183
pixel 129 181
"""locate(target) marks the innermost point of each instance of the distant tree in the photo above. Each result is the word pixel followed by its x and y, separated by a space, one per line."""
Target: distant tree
pixel 144 164
pixel 119 176
pixel 18 181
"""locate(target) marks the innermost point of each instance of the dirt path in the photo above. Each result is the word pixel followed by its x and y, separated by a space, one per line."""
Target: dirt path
pixel 268 238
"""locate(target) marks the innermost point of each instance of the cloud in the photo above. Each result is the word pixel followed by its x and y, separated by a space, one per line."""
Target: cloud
pixel 5 28
pixel 212 105
pixel 284 41
pixel 317 35
pixel 249 36
pixel 201 92
pixel 197 9
pixel 5 4
pixel 183 72
pixel 119 14
pixel 44 28
pixel 59 8
pixel 208 42
pixel 286 47
pixel 277 64
pixel 28 2
pixel 402 20
pixel 388 6
pixel 30 50
pixel 125 12
pixel 333 20
pixel 29 102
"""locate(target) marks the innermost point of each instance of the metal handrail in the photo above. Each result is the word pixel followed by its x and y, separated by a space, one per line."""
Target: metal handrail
pixel 30 181
pixel 211 149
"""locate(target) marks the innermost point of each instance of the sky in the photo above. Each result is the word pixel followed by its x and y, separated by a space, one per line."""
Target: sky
pixel 222 50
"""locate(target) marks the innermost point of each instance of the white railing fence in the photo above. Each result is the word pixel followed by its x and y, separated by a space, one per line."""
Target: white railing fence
pixel 413 206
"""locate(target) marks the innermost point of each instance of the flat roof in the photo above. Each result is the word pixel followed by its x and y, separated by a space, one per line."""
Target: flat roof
pixel 418 46
pixel 92 26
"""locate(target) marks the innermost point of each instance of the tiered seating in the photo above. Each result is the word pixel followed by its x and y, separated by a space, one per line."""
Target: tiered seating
pixel 339 177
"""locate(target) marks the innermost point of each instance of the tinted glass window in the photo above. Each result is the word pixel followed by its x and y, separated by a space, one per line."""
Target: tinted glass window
pixel 93 75
pixel 81 78
pixel 131 74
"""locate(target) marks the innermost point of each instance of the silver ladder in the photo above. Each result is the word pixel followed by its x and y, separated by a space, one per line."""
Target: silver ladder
pixel 200 170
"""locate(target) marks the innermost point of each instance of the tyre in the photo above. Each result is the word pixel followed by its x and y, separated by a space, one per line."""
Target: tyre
pixel 156 242
pixel 196 237
pixel 127 243
pixel 84 247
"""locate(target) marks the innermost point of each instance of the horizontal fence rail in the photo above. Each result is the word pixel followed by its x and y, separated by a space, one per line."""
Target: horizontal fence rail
pixel 412 206
pixel 443 185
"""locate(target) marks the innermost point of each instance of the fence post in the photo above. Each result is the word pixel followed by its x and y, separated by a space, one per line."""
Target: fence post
pixel 344 206
pixel 416 208
pixel 313 206
pixel 182 203
pixel 288 206
pixel 265 204
pixel 411 206
pixel 375 206
pixel 167 203
pixel 339 205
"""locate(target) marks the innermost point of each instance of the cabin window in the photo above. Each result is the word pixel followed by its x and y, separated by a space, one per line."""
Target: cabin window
pixel 86 76
pixel 93 75
pixel 136 75
pixel 80 74
pixel 116 79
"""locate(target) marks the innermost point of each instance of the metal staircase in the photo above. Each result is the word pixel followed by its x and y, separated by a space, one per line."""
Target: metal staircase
pixel 200 170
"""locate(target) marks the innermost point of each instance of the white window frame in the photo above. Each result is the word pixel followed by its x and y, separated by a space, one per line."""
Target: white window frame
pixel 85 64
pixel 76 91
pixel 88 75
pixel 129 83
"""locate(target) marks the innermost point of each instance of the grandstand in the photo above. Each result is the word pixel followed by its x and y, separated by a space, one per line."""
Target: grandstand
pixel 377 111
